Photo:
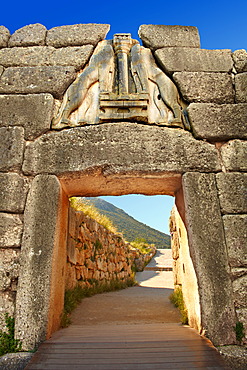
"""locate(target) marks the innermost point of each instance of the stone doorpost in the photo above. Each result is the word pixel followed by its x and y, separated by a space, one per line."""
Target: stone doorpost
pixel 209 255
pixel 40 296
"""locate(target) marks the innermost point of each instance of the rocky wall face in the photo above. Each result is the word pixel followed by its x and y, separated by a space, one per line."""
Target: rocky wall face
pixel 94 254
pixel 36 67
pixel 183 269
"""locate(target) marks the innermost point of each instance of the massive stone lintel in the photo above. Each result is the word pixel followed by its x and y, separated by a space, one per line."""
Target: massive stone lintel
pixel 121 83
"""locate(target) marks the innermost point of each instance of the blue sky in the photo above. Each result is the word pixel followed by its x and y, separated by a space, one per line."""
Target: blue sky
pixel 221 24
pixel 151 210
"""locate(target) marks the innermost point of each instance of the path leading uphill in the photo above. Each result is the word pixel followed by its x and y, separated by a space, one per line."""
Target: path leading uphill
pixel 135 328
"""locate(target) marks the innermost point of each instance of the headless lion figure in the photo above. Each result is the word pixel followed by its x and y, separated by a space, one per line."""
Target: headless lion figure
pixel 101 65
pixel 144 68
pixel 101 69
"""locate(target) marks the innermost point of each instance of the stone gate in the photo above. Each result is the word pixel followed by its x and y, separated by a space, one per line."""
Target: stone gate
pixel 82 116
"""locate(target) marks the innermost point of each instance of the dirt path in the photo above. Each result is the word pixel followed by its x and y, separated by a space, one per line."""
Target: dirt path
pixel 147 303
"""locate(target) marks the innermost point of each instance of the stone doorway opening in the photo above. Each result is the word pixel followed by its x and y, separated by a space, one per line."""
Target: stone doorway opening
pixel 47 279
pixel 40 295
pixel 99 259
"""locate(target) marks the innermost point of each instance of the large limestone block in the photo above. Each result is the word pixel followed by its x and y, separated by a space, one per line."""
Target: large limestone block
pixel 236 236
pixel 121 147
pixel 159 36
pixel 194 60
pixel 11 228
pixel 234 155
pixel 12 193
pixel 33 112
pixel 25 80
pixel 9 271
pixel 240 291
pixel 32 34
pixel 232 192
pixel 241 87
pixel 11 148
pixel 218 121
pixel 209 256
pixel 4 36
pixel 1 70
pixel 76 35
pixel 240 60
pixel 205 87
pixel 37 254
pixel 76 56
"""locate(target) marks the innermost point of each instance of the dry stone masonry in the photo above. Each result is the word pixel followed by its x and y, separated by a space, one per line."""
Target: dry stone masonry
pixel 96 255
pixel 200 160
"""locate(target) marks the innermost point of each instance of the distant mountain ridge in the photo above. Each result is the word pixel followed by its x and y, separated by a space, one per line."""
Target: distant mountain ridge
pixel 129 226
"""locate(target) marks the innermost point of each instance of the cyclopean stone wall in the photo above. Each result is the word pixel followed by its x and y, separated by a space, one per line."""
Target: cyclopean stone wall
pixel 205 168
pixel 96 255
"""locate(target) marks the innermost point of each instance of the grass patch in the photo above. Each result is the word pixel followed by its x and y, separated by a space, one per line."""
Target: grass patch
pixel 83 205
pixel 74 296
pixel 142 245
pixel 8 343
pixel 239 330
pixel 177 299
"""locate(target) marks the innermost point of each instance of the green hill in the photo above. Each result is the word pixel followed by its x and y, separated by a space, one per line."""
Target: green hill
pixel 129 226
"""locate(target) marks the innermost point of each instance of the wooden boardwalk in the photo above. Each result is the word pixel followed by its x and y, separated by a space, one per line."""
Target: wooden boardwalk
pixel 133 329
pixel 126 347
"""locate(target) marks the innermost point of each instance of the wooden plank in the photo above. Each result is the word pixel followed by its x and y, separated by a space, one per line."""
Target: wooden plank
pixel 149 366
pixel 137 344
pixel 170 357
pixel 179 351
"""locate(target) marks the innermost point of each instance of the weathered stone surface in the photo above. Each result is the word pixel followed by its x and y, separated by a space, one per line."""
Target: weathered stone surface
pixel 4 36
pixel 37 253
pixel 32 34
pixel 7 304
pixel 218 121
pixel 236 236
pixel 10 230
pixel 76 35
pixel 33 112
pixel 241 87
pixel 75 56
pixel 11 147
pixel 12 193
pixel 240 60
pixel 239 289
pixel 184 273
pixel 9 268
pixel 205 87
pixel 206 239
pixel 194 60
pixel 159 36
pixel 242 317
pixel 120 147
pixel 237 272
pixel 232 192
pixel 17 361
pixel 1 70
pixel 234 155
pixel 96 252
pixel 234 356
pixel 54 80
